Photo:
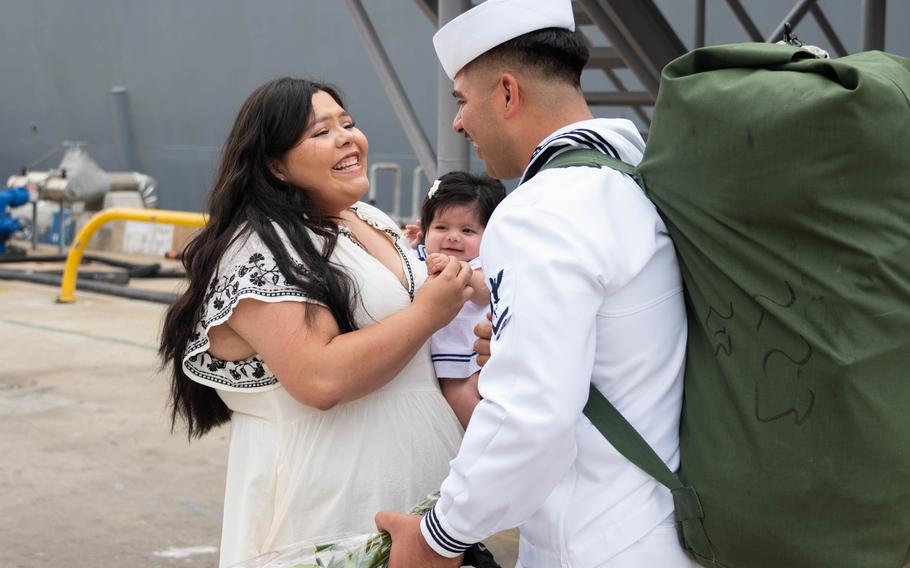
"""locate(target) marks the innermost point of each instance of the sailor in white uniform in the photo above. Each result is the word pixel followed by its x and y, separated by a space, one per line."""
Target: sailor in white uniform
pixel 585 289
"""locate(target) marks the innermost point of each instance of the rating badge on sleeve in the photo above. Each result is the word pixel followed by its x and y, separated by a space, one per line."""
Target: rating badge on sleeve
pixel 501 315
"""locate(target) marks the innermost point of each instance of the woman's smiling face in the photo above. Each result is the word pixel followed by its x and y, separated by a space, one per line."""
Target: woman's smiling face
pixel 330 160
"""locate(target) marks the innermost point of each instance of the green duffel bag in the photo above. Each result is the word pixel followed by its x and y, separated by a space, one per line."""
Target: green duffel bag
pixel 784 180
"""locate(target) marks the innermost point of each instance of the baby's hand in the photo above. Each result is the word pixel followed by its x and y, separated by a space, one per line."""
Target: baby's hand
pixel 413 233
pixel 435 263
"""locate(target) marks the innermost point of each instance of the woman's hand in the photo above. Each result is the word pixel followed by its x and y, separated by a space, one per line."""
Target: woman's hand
pixel 442 297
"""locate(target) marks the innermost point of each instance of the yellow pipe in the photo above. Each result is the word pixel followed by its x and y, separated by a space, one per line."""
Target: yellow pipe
pixel 74 257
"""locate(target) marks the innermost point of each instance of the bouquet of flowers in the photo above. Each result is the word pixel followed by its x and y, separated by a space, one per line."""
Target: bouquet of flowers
pixel 360 551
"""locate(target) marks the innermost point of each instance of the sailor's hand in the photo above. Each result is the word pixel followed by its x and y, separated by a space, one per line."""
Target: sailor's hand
pixel 484 332
pixel 409 549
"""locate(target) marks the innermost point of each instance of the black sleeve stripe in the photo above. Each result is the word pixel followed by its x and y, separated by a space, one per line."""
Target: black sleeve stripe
pixel 436 537
pixel 471 354
pixel 441 537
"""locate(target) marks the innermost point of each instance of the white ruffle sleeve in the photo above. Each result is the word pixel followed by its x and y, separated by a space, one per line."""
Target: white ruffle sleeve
pixel 248 269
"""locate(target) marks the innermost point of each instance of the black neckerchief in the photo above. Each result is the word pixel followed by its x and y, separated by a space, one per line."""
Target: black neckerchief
pixel 577 138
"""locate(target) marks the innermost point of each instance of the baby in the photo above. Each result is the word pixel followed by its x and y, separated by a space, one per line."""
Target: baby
pixel 452 221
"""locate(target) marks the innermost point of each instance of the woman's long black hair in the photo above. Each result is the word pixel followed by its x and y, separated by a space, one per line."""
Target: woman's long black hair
pixel 247 197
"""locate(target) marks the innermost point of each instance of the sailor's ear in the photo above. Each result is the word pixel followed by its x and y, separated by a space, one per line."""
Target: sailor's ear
pixel 511 93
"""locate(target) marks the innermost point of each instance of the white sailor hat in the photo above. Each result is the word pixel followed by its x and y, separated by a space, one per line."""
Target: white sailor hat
pixel 494 22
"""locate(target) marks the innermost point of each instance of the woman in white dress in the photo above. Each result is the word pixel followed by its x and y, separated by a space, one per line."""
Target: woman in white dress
pixel 305 324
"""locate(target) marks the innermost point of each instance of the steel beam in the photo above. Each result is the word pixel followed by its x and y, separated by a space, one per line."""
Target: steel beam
pixel 793 17
pixel 605 58
pixel 828 30
pixel 392 86
pixel 873 25
pixel 453 149
pixel 430 8
pixel 745 20
pixel 621 87
pixel 645 28
pixel 700 18
pixel 581 17
pixel 618 98
pixel 640 25
pixel 640 35
pixel 645 73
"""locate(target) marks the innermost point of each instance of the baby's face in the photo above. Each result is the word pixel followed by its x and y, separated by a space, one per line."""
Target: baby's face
pixel 455 231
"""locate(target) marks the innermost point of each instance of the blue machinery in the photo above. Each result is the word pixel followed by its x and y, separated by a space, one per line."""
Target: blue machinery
pixel 9 225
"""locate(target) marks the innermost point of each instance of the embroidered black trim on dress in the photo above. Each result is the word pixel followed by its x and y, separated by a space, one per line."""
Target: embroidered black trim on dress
pixel 407 264
pixel 254 278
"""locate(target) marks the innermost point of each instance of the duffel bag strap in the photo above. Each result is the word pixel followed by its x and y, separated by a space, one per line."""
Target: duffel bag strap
pixel 593 159
pixel 628 442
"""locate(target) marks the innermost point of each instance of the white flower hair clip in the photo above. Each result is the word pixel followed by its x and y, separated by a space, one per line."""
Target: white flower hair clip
pixel 433 189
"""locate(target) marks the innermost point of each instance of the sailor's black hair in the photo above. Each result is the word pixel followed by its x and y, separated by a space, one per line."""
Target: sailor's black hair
pixel 555 53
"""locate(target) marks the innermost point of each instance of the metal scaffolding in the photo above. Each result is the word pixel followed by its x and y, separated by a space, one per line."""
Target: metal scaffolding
pixel 393 88
pixel 452 150
pixel 640 40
